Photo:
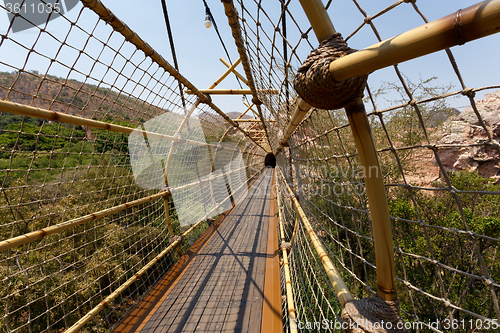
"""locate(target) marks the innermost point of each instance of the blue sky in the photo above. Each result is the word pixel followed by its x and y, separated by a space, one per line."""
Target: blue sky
pixel 198 48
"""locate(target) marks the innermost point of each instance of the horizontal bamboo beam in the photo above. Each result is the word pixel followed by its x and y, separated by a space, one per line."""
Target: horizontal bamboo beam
pixel 234 91
pixel 480 20
pixel 39 234
pixel 228 65
pixel 252 120
pixel 343 293
pixel 31 111
pixel 92 313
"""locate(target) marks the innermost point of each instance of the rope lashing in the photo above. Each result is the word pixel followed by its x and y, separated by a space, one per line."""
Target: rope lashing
pixel 315 84
pixel 373 314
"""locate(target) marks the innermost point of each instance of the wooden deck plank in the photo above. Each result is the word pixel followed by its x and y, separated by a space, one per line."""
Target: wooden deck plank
pixel 220 273
pixel 213 321
pixel 239 317
pixel 202 263
pixel 223 287
pixel 143 312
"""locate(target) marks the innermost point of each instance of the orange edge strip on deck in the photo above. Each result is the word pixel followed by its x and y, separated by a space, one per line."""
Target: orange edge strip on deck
pixel 272 320
pixel 138 318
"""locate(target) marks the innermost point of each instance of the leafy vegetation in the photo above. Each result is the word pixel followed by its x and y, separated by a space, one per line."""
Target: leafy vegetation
pixel 432 223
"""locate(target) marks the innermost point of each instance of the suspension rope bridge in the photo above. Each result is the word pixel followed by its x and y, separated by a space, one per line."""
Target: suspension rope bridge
pixel 132 203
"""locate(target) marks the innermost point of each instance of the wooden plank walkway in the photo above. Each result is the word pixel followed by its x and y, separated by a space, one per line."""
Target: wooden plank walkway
pixel 222 288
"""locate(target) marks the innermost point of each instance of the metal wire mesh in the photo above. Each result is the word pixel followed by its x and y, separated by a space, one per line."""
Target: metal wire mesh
pixel 444 219
pixel 54 170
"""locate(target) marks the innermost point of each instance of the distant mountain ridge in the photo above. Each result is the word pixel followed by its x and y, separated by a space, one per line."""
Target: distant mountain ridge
pixel 73 97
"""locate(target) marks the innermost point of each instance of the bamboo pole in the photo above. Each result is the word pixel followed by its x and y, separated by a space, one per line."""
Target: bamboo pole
pixel 288 282
pixel 297 218
pixel 343 293
pixel 300 112
pixel 107 16
pixel 39 234
pixel 228 65
pixel 234 91
pixel 42 233
pixel 26 110
pixel 253 111
pixel 323 28
pixel 477 21
pixel 92 313
pixel 252 120
pixel 463 26
pixel 319 19
pixel 230 68
pixel 375 189
pixel 377 199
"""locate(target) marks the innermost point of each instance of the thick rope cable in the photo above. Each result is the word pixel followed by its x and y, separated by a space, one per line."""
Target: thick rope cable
pixel 172 47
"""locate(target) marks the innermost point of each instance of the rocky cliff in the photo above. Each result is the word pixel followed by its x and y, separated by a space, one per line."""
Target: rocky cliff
pixel 466 130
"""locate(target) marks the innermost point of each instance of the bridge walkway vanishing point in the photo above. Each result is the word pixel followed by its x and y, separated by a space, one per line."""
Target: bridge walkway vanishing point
pixel 227 285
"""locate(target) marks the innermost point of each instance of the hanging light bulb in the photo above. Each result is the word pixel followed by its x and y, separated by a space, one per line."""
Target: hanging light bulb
pixel 243 98
pixel 208 21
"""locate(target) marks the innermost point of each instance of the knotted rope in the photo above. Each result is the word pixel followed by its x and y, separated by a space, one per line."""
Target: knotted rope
pixel 315 84
pixel 373 315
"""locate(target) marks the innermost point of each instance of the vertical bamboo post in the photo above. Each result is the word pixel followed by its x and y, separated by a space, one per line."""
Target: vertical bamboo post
pixel 375 189
pixel 377 199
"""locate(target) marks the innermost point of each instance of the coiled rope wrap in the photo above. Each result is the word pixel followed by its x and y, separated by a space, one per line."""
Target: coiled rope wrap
pixel 315 84
pixel 373 314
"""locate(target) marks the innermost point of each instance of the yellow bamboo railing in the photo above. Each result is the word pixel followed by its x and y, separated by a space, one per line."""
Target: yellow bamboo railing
pixel 232 18
pixel 42 233
pixel 286 266
pixel 92 313
pixel 341 290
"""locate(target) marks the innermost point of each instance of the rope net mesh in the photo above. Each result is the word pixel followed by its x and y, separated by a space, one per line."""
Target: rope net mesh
pixel 444 219
pixel 84 170
pixel 56 171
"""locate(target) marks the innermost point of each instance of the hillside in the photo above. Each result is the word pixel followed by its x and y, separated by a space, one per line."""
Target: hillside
pixel 73 97
pixel 234 115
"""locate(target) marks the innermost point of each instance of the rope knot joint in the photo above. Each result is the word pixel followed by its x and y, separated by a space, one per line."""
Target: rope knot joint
pixel 315 84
